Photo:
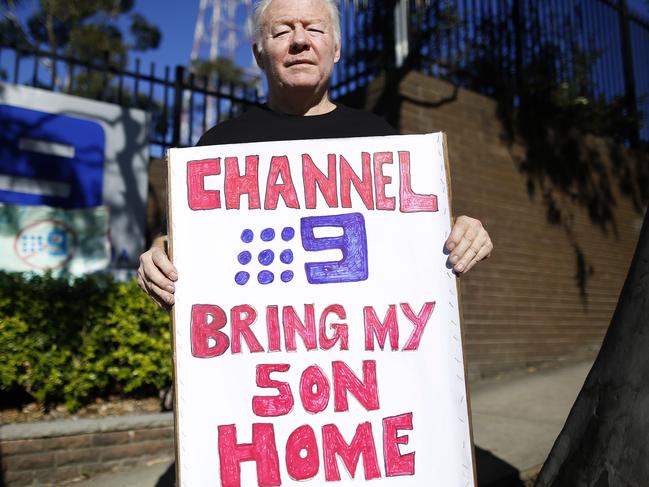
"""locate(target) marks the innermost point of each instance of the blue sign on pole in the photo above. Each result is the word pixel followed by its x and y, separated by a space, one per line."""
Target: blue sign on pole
pixel 62 157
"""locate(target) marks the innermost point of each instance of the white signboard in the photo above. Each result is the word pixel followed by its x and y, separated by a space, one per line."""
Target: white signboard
pixel 69 152
pixel 316 327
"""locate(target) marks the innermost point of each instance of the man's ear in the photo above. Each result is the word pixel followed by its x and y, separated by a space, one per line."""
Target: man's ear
pixel 337 53
pixel 257 53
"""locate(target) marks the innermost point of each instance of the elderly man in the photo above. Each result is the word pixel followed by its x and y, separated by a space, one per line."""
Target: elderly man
pixel 297 43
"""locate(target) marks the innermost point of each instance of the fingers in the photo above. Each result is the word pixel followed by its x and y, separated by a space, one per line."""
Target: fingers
pixel 161 300
pixel 457 232
pixel 156 276
pixel 483 253
pixel 468 243
pixel 163 263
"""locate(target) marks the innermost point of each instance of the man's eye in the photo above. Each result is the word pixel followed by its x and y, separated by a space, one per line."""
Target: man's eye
pixel 313 29
pixel 280 33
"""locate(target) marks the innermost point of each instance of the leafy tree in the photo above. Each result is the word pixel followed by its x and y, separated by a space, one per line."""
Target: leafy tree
pixel 84 29
pixel 224 69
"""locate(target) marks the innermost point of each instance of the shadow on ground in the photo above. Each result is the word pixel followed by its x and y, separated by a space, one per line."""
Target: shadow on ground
pixel 492 472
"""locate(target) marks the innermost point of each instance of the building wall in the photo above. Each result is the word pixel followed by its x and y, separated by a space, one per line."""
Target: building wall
pixel 522 307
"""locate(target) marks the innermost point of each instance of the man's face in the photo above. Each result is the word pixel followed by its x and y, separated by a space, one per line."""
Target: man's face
pixel 298 48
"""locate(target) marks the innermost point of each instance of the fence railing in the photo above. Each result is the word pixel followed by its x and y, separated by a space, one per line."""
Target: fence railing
pixel 598 46
pixel 177 101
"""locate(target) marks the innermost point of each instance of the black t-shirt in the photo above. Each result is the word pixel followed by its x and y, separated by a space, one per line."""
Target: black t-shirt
pixel 264 125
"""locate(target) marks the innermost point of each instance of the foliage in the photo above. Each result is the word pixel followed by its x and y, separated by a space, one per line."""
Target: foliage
pixel 88 31
pixel 224 69
pixel 73 341
pixel 83 29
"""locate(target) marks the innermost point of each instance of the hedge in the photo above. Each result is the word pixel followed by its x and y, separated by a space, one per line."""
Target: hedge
pixel 73 340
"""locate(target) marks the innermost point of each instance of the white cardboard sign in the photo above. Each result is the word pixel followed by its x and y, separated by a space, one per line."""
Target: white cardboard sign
pixel 317 331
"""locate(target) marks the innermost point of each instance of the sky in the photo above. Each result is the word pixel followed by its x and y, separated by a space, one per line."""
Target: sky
pixel 176 20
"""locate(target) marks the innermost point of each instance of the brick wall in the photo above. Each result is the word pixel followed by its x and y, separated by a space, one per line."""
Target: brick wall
pixel 523 307
pixel 51 454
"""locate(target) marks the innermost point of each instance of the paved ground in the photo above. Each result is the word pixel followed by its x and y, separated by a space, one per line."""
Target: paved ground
pixel 516 419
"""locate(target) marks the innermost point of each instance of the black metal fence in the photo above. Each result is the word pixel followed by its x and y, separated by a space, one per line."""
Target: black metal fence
pixel 596 47
pixel 177 101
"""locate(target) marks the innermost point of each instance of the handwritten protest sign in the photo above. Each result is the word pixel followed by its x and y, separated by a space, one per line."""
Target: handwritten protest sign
pixel 317 331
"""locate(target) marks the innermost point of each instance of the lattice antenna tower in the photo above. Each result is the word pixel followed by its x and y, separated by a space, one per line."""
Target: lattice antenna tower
pixel 224 30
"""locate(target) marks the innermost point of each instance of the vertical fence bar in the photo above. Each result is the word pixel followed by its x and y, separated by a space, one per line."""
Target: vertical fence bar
pixel 178 105
pixel 151 78
pixel 629 77
pixel 120 81
pixel 35 73
pixel 518 45
pixel 136 88
pixel 190 108
pixel 218 100
pixel 165 108
pixel 16 66
pixel 206 84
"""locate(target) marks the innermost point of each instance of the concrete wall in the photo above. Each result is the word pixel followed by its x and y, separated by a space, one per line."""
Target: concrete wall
pixel 523 307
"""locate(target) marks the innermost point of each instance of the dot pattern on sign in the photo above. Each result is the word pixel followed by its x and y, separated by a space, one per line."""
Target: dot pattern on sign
pixel 31 244
pixel 265 257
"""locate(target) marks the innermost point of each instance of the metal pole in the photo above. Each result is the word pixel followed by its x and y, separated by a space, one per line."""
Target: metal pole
pixel 400 32
pixel 178 105
pixel 629 76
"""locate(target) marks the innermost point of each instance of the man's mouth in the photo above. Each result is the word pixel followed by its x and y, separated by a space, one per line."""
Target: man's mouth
pixel 298 62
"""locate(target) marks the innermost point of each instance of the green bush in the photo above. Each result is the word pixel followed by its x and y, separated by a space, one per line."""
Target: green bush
pixel 71 341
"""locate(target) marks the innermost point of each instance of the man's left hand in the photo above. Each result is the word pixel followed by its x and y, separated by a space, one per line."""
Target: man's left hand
pixel 468 244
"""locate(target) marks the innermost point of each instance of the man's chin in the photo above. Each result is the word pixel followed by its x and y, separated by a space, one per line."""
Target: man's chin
pixel 305 83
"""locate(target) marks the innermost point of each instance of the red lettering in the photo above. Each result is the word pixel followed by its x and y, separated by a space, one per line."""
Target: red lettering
pixel 362 444
pixel 242 317
pixel 409 201
pixel 262 450
pixel 366 392
pixel 306 330
pixel 419 321
pixel 380 181
pixel 272 405
pixel 198 197
pixel 272 327
pixel 340 329
pixel 363 186
pixel 206 322
pixel 374 327
pixel 314 401
pixel 327 184
pixel 236 185
pixel 396 463
pixel 279 167
pixel 299 468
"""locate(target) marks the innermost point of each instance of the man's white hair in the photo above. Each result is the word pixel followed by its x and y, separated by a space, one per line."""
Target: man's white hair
pixel 262 5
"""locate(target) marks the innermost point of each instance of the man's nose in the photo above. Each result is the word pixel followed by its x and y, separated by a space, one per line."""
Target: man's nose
pixel 300 39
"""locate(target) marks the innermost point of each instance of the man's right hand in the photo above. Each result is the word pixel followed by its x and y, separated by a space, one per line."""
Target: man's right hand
pixel 156 274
